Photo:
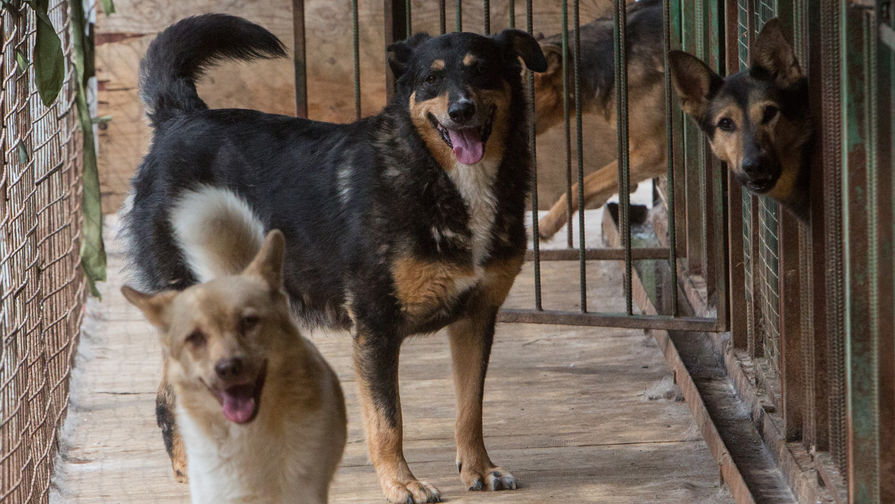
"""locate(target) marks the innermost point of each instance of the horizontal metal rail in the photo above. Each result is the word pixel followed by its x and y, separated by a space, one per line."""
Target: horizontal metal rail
pixel 600 254
pixel 621 320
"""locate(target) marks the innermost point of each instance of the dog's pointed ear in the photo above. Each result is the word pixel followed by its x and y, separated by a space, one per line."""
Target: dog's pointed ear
pixel 401 52
pixel 773 55
pixel 694 82
pixel 153 306
pixel 268 262
pixel 524 46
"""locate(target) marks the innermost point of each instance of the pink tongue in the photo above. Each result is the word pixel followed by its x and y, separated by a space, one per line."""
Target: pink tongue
pixel 239 404
pixel 468 146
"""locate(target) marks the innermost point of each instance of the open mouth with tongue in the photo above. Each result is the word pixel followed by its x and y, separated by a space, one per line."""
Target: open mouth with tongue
pixel 240 402
pixel 468 143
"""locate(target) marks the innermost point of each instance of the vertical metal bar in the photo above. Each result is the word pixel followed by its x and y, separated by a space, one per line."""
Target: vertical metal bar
pixel 442 19
pixel 459 15
pixel 512 13
pixel 408 6
pixel 621 98
pixel 860 221
pixel 669 155
pixel 356 48
pixel 486 17
pixel 299 59
pixel 831 142
pixel 565 116
pixel 790 326
pixel 579 140
pixel 394 27
pixel 535 240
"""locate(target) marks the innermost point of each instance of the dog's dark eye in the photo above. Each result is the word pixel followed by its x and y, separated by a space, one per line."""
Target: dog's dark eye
pixel 727 124
pixel 248 321
pixel 432 78
pixel 196 338
pixel 770 112
pixel 481 68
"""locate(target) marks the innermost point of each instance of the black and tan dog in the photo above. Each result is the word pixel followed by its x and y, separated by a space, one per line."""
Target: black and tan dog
pixel 757 121
pixel 398 224
pixel 646 95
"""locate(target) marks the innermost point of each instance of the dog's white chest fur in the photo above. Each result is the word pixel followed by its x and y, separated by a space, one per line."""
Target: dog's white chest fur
pixel 475 184
pixel 229 463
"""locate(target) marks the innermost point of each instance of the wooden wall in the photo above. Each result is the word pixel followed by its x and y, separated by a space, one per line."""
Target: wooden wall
pixel 122 38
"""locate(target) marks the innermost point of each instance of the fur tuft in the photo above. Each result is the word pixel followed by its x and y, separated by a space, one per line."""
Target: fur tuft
pixel 179 55
pixel 217 231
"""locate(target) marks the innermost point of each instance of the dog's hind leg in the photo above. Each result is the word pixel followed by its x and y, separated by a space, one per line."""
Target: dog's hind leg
pixel 599 186
pixel 164 415
pixel 376 364
pixel 646 162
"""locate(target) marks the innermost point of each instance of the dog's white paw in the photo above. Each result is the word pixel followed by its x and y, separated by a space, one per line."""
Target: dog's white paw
pixel 410 492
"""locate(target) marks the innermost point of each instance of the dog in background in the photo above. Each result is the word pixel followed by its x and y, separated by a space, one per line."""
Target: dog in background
pixel 758 120
pixel 261 413
pixel 646 95
pixel 399 224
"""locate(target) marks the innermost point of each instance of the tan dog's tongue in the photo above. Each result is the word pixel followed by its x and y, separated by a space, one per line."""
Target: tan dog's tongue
pixel 468 146
pixel 238 404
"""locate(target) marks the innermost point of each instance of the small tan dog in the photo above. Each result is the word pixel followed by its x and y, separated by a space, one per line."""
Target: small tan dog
pixel 261 413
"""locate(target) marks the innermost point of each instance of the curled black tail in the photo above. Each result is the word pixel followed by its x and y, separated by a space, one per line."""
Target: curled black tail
pixel 179 55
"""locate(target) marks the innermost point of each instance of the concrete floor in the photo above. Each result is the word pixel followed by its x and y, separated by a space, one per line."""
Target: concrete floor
pixel 577 414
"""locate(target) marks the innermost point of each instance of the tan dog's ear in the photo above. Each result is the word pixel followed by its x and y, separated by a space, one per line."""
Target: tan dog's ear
pixel 694 82
pixel 772 54
pixel 268 263
pixel 153 306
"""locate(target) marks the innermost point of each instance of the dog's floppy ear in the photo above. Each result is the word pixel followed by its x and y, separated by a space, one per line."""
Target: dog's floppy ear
pixel 268 262
pixel 153 306
pixel 525 46
pixel 400 53
pixel 773 55
pixel 694 82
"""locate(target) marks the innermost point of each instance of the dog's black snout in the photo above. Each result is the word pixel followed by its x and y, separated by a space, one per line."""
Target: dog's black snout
pixel 754 166
pixel 229 368
pixel 461 110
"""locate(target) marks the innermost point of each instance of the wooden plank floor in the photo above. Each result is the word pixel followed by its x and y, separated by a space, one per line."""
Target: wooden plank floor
pixel 577 414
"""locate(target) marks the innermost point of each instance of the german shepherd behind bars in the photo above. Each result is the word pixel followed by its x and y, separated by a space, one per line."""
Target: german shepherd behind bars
pixel 399 224
pixel 758 120
pixel 767 157
pixel 261 412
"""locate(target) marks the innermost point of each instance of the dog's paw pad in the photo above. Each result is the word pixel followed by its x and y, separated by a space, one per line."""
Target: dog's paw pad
pixel 411 492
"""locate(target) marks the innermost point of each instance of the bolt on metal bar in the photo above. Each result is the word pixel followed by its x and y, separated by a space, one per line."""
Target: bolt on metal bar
pixel 442 19
pixel 408 4
pixel 356 48
pixel 459 15
pixel 582 260
pixel 299 58
pixel 621 102
pixel 669 156
pixel 486 17
pixel 565 117
pixel 535 240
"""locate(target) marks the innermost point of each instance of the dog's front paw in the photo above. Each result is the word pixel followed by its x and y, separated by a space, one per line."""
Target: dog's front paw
pixel 491 478
pixel 410 492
